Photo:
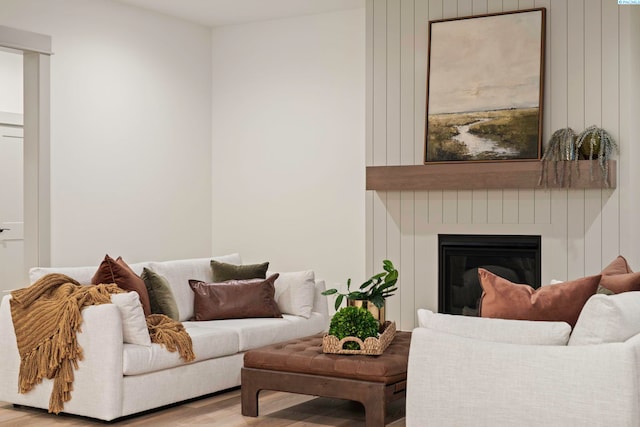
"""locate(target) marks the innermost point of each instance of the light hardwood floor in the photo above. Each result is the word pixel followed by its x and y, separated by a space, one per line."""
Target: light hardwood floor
pixel 276 410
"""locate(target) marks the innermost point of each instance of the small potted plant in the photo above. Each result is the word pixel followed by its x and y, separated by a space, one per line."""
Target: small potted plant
pixel 372 294
pixel 595 142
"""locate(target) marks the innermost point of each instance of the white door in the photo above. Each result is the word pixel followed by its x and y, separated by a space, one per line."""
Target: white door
pixel 12 270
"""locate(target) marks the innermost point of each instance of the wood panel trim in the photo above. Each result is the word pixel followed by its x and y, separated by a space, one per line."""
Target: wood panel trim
pixel 489 175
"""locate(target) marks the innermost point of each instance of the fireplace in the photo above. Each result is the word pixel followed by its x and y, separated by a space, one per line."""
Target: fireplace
pixel 514 257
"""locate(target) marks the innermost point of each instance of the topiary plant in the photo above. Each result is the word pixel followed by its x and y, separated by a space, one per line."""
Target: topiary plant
pixel 353 322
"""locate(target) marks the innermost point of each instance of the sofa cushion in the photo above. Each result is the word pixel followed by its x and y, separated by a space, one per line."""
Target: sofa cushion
pixel 562 302
pixel 295 292
pixel 160 294
pixel 497 330
pixel 134 325
pixel 207 344
pixel 222 271
pixel 234 299
pixel 118 272
pixel 179 272
pixel 254 333
pixel 608 318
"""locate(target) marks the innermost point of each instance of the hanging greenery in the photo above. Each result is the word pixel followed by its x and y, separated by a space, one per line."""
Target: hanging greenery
pixel 565 146
pixel 561 147
pixel 595 142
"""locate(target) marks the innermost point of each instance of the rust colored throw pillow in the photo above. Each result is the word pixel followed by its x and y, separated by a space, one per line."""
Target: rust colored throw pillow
pixel 618 277
pixel 118 272
pixel 617 266
pixel 235 299
pixel 562 302
pixel 619 283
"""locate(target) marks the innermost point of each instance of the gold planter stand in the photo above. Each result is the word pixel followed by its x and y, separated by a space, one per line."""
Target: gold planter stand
pixel 378 313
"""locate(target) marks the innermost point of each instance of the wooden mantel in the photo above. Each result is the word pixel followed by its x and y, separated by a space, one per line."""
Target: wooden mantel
pixel 485 175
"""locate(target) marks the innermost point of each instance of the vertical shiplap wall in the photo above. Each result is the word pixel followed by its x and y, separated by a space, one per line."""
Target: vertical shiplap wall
pixel 581 229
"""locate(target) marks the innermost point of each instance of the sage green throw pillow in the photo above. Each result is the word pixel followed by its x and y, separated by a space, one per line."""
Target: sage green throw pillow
pixel 604 291
pixel 160 294
pixel 223 271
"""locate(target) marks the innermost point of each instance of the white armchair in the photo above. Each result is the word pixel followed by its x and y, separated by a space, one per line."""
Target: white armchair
pixel 494 378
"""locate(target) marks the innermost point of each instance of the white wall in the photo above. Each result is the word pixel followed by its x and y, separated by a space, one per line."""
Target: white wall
pixel 10 82
pixel 629 131
pixel 591 64
pixel 288 143
pixel 130 130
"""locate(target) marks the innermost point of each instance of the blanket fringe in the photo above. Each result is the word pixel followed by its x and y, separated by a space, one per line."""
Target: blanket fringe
pixel 171 334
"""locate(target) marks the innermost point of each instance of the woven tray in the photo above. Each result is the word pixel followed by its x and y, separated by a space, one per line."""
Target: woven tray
pixel 371 346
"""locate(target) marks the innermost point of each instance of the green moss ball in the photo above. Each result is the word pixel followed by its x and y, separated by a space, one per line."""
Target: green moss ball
pixel 353 322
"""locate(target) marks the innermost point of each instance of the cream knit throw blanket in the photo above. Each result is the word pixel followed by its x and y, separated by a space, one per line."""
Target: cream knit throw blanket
pixel 46 317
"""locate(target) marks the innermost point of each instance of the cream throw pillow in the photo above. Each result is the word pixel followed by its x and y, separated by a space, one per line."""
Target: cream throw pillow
pixel 82 275
pixel 134 325
pixel 608 318
pixel 295 292
pixel 179 272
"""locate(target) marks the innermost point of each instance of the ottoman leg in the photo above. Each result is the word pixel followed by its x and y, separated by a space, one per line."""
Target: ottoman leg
pixel 249 394
pixel 375 406
pixel 375 416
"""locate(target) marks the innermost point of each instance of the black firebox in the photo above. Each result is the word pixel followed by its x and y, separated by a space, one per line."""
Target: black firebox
pixel 514 257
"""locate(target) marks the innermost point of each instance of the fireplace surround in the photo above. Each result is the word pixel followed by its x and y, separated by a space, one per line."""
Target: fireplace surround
pixel 514 257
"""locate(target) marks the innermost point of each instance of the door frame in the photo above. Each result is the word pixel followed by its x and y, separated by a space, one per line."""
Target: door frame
pixel 36 53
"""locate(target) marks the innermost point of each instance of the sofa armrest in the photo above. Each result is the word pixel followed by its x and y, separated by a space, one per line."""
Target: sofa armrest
pixel 497 330
pixel 99 374
pixel 97 386
pixel 453 381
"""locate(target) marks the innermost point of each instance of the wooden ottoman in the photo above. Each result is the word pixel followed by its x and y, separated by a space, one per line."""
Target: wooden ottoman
pixel 300 366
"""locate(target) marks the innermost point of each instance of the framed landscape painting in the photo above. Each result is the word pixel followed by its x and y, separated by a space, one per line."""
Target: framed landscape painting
pixel 484 87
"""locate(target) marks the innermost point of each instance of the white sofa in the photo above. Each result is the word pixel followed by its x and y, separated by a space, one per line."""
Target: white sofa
pixel 116 379
pixel 493 372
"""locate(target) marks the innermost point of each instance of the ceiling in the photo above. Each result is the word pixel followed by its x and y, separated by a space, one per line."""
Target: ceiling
pixel 214 13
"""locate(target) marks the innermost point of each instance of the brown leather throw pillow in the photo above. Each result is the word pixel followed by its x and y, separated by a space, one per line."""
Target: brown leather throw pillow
pixel 235 299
